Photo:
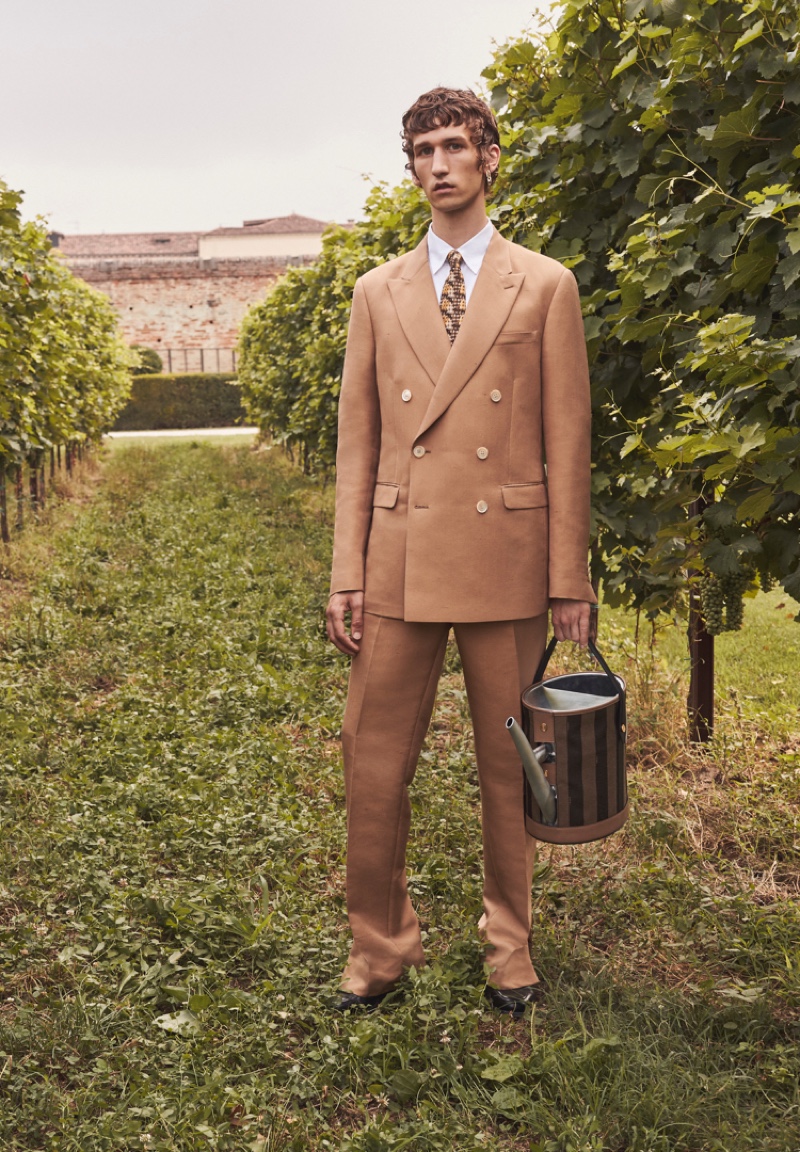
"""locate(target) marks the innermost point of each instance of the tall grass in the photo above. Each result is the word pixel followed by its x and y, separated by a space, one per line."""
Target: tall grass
pixel 171 911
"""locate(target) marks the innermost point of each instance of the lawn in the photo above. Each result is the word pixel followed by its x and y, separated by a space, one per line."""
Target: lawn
pixel 171 866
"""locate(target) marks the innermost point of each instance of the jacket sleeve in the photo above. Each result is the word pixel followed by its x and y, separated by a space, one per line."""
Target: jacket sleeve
pixel 566 410
pixel 358 449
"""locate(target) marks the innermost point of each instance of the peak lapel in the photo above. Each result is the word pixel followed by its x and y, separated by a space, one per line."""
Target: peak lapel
pixel 490 303
pixel 417 308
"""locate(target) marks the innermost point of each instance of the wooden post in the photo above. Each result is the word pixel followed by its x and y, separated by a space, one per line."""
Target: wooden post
pixel 20 495
pixel 701 661
pixel 5 535
pixel 33 481
pixel 701 681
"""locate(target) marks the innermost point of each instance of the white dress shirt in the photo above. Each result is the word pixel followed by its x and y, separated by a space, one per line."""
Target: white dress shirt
pixel 472 254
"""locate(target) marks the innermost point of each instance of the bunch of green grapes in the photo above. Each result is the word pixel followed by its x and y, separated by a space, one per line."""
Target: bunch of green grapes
pixel 721 600
pixel 712 604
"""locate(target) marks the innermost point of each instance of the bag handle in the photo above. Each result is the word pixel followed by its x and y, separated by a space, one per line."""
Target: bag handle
pixel 550 649
pixel 595 651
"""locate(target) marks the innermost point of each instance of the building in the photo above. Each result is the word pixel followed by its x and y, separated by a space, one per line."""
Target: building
pixel 185 293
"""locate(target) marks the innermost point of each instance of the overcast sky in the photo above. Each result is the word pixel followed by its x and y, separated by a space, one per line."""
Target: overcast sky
pixel 173 115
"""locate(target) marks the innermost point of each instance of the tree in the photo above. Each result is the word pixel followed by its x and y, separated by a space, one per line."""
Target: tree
pixel 654 148
pixel 63 367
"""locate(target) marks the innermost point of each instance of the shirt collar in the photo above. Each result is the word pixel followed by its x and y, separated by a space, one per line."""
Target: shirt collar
pixel 472 252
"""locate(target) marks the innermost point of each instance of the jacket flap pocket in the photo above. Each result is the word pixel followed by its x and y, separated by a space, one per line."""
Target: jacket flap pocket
pixel 532 495
pixel 385 495
pixel 520 337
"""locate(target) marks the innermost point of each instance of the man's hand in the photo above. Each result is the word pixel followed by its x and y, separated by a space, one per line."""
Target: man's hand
pixel 572 620
pixel 339 605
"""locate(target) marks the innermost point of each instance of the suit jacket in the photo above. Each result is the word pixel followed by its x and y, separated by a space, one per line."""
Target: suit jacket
pixel 463 471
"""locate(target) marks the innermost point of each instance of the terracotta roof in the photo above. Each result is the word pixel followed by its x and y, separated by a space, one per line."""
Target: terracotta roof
pixel 274 225
pixel 122 245
pixel 117 245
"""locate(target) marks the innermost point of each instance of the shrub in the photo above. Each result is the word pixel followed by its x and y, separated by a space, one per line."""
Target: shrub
pixel 182 401
pixel 150 363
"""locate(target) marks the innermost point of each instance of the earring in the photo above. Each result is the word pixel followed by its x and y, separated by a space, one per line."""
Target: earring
pixel 489 178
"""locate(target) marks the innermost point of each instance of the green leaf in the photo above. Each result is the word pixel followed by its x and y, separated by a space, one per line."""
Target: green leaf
pixel 735 128
pixel 657 280
pixel 593 326
pixel 652 186
pixel 199 1002
pixel 747 440
pixel 752 270
pixel 672 11
pixel 405 1084
pixel 755 507
pixel 510 1102
pixel 750 35
pixel 789 270
pixel 650 31
pixel 504 1068
pixel 626 61
pixel 599 1045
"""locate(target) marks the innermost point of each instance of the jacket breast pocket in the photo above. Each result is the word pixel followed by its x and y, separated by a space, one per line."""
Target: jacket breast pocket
pixel 523 336
pixel 533 495
pixel 385 495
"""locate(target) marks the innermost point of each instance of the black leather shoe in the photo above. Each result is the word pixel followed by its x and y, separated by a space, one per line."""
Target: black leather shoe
pixel 350 1002
pixel 513 1000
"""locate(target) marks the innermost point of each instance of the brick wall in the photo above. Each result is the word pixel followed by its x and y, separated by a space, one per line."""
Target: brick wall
pixel 190 308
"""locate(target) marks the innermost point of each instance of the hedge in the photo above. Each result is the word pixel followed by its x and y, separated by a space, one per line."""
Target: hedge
pixel 182 401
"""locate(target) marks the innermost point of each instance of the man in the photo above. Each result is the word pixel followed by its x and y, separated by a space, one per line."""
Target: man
pixel 465 375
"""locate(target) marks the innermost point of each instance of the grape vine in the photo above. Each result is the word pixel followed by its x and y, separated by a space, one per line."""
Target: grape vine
pixel 64 370
pixel 653 148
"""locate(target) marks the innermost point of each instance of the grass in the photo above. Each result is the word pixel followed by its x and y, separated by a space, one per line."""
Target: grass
pixel 756 678
pixel 171 906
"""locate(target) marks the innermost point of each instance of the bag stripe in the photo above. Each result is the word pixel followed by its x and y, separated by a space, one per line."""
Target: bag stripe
pixel 575 769
pixel 601 730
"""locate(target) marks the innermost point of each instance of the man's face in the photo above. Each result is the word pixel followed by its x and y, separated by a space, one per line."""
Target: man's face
pixel 449 168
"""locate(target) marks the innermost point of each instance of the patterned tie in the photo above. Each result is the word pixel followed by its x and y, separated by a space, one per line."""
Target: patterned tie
pixel 454 296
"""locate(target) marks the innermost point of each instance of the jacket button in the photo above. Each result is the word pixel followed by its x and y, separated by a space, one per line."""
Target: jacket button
pixel 496 396
pixel 419 451
pixel 482 506
pixel 482 453
pixel 405 394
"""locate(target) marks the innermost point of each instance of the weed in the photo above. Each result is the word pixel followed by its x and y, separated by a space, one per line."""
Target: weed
pixel 171 913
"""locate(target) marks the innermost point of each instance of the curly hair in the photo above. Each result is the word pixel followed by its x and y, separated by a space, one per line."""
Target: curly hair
pixel 442 107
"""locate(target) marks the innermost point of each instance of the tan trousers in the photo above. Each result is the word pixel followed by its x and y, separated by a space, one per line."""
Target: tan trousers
pixel 392 690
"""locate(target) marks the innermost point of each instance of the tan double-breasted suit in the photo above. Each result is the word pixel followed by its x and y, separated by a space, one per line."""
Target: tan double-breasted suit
pixel 462 499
